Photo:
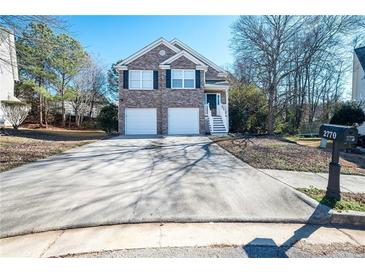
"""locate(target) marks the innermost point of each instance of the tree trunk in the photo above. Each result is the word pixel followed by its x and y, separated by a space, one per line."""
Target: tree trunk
pixel 69 121
pixel 63 113
pixel 77 118
pixel 91 107
pixel 270 124
pixel 63 102
pixel 46 112
pixel 40 110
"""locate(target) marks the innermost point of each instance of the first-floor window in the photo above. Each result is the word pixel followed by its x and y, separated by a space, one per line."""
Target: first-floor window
pixel 181 78
pixel 141 79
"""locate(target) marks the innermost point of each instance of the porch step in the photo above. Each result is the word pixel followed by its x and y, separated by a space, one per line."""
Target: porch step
pixel 218 126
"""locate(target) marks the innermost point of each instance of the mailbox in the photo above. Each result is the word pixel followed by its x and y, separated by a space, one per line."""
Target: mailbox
pixel 341 135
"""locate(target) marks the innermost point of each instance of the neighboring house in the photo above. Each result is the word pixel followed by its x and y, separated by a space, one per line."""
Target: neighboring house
pixel 169 88
pixel 358 80
pixel 99 102
pixel 8 68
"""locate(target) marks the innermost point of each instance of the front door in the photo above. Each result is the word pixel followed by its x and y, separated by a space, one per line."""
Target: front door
pixel 212 101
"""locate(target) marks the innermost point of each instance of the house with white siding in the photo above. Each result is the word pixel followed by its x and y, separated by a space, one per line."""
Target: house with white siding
pixel 8 68
pixel 358 80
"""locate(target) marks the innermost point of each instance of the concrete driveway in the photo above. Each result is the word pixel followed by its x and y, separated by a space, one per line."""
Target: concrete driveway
pixel 178 179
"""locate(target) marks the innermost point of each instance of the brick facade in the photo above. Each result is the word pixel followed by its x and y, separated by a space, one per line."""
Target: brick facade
pixel 162 98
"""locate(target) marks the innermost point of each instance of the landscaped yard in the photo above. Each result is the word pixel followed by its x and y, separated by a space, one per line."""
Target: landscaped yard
pixel 349 201
pixel 27 145
pixel 276 153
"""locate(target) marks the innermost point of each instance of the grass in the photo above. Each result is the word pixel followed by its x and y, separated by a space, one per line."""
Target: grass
pixel 27 145
pixel 295 138
pixel 349 201
pixel 308 141
pixel 277 153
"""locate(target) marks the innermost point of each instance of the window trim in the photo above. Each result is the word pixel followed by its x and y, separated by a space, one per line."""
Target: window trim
pixel 140 79
pixel 183 78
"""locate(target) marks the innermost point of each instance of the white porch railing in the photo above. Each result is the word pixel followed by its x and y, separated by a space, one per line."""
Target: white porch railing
pixel 225 107
pixel 222 112
pixel 208 113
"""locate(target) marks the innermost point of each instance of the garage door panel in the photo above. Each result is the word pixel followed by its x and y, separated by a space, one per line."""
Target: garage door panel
pixel 183 120
pixel 139 121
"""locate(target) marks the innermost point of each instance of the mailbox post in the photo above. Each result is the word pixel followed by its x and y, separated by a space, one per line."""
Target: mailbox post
pixel 340 135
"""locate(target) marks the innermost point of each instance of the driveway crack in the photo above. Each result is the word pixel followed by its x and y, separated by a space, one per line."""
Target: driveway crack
pixel 52 243
pixel 347 234
pixel 144 187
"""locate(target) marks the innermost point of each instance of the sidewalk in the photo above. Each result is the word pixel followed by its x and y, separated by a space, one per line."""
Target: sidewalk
pixel 295 179
pixel 156 235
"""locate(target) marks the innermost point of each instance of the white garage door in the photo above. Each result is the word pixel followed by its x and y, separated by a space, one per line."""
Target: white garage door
pixel 140 121
pixel 183 121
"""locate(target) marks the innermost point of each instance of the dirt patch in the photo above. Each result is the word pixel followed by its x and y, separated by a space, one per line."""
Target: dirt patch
pixel 275 153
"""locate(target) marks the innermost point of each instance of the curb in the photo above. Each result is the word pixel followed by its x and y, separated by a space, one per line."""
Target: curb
pixel 348 218
pixel 121 237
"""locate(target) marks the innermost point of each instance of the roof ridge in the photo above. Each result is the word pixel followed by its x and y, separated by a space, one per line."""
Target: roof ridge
pixel 199 55
pixel 146 49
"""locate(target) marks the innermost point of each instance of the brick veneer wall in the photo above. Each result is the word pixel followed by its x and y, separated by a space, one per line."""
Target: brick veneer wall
pixel 163 98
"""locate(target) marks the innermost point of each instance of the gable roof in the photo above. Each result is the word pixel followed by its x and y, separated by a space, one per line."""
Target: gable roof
pixel 196 54
pixel 146 49
pixel 181 54
pixel 360 53
pixel 181 50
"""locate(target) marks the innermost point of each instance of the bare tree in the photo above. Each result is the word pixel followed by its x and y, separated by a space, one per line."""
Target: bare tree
pixel 266 41
pixel 88 87
pixel 296 60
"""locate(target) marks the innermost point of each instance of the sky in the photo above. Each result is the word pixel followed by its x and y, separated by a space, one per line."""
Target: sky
pixel 111 38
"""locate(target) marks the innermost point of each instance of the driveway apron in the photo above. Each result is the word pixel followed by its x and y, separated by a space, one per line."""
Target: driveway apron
pixel 134 180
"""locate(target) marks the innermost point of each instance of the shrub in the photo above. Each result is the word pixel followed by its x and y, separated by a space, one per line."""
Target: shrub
pixel 348 114
pixel 108 118
pixel 14 112
pixel 247 109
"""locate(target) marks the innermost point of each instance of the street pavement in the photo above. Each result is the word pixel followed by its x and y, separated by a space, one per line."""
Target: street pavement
pixel 300 251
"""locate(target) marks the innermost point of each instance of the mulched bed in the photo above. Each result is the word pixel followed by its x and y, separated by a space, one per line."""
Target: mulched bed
pixel 275 153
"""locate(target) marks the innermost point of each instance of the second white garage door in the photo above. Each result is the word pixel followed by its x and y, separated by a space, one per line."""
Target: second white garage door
pixel 139 121
pixel 183 121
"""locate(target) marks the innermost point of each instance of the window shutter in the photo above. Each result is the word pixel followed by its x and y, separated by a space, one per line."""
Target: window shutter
pixel 168 78
pixel 197 79
pixel 155 79
pixel 125 79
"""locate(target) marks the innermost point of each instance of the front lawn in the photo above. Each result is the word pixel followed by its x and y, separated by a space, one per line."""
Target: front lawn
pixel 276 153
pixel 26 145
pixel 349 201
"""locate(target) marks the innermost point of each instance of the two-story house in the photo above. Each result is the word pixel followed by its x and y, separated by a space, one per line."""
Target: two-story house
pixel 358 80
pixel 8 68
pixel 167 88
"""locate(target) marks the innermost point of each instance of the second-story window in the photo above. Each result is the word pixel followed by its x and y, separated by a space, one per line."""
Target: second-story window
pixel 182 79
pixel 140 79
